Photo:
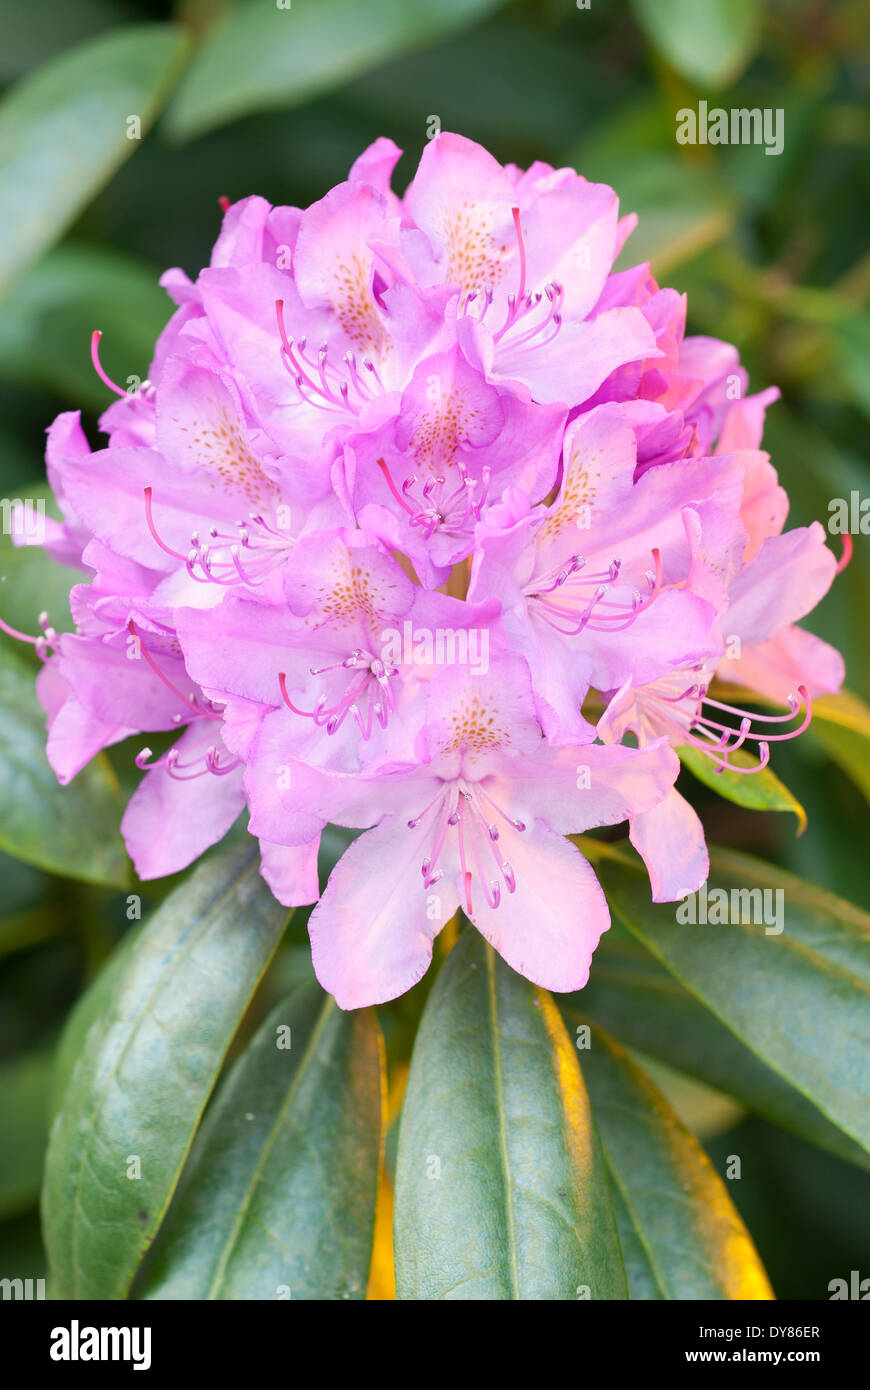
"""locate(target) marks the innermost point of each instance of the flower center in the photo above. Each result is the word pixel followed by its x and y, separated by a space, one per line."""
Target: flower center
pixel 438 505
pixel 361 689
pixel 467 808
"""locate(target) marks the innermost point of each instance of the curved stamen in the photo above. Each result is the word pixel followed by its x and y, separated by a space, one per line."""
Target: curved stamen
pixel 460 807
pixel 374 685
pixel 189 700
pixel 176 555
pixel 718 741
pixel 98 366
pixel 846 556
pixel 570 622
pixel 42 644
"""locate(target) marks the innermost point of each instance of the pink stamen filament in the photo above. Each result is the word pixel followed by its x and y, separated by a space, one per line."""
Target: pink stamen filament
pixel 460 806
pixel 187 772
pixel 454 512
pixel 270 549
pixel 48 640
pixel 98 367
pixel 189 700
pixel 717 741
pixel 374 682
pixel 566 619
pixel 317 380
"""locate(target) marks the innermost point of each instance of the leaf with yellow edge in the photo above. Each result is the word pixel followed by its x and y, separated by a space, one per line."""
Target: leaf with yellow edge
pixel 681 1235
pixel 759 791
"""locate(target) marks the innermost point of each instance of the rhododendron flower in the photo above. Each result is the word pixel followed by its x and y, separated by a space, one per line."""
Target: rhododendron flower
pixel 430 524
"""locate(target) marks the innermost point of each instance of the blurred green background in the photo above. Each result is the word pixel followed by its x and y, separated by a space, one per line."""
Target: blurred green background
pixel 259 98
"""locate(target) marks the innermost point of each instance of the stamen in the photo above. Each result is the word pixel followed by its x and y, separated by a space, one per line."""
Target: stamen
pixel 43 644
pixel 152 528
pixel 718 741
pixel 373 684
pixel 515 212
pixel 459 806
pixel 846 556
pixel 189 700
pixel 98 367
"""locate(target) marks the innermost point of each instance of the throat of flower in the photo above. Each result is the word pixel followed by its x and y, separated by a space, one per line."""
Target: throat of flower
pixel 467 810
pixel 452 506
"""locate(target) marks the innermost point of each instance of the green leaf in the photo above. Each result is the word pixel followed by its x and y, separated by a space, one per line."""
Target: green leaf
pixel 262 56
pixel 88 1011
pixel 759 791
pixel 48 319
pixel 800 1000
pixel 501 1187
pixel 841 724
pixel 278 1200
pixel 24 1122
pixel 30 581
pixel 675 1207
pixel 709 41
pixel 639 1001
pixel 146 1069
pixel 69 830
pixel 64 132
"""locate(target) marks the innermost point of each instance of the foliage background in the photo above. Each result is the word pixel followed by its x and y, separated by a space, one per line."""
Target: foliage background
pixel 772 251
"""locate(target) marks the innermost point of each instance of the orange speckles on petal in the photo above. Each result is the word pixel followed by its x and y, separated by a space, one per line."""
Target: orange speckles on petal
pixel 579 491
pixel 441 430
pixel 355 307
pixel 354 595
pixel 219 444
pixel 473 258
pixel 475 727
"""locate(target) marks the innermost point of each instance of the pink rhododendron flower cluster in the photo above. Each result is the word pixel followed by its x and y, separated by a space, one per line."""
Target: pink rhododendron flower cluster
pixel 423 511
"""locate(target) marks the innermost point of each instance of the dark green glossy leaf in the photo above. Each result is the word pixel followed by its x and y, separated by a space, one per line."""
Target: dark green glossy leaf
pixel 89 1011
pixel 145 1071
pixel 64 132
pixel 278 1200
pixel 501 1187
pixel 69 830
pixel 675 1207
pixel 841 724
pixel 264 55
pixel 799 998
pixel 636 999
